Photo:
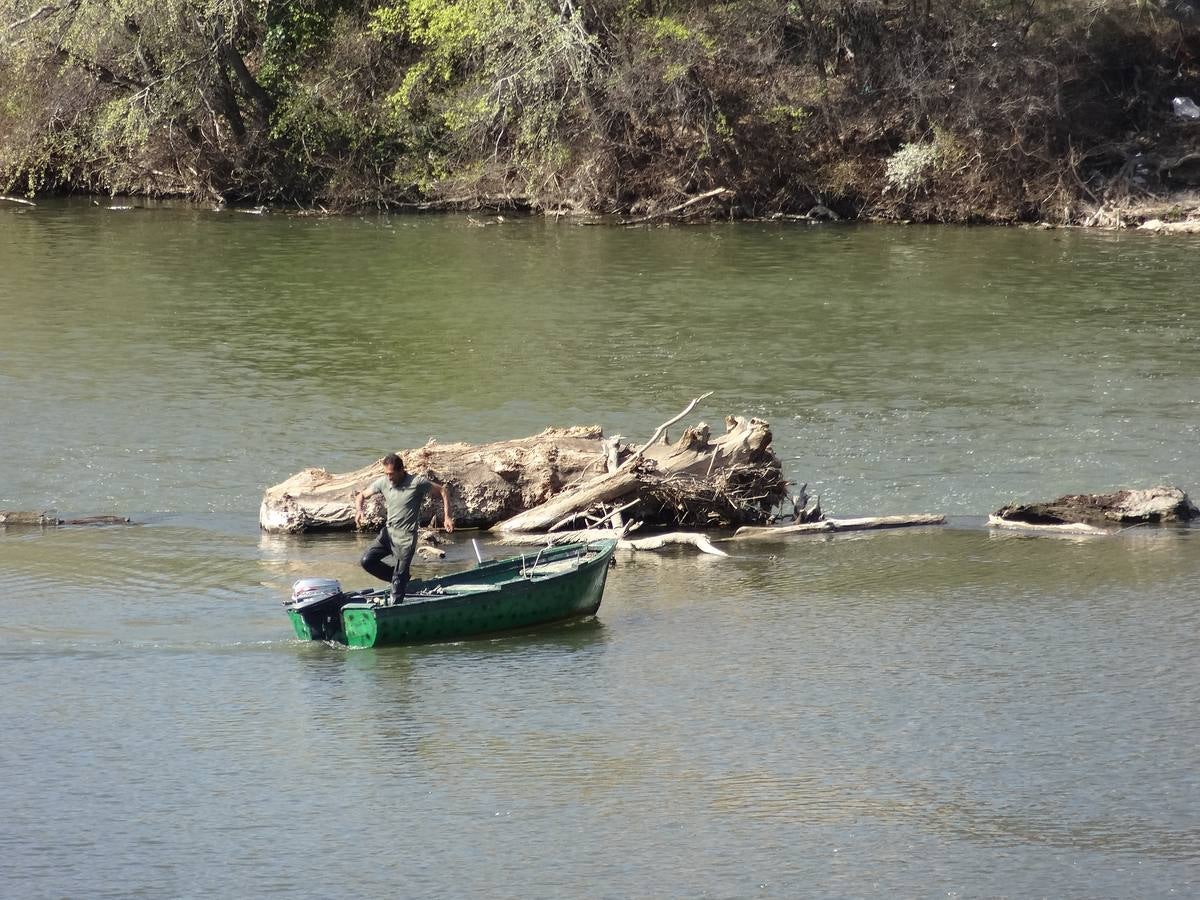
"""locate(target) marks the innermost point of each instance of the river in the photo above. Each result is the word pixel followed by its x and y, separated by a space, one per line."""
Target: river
pixel 942 712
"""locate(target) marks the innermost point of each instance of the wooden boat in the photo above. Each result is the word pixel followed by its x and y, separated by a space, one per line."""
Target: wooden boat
pixel 552 585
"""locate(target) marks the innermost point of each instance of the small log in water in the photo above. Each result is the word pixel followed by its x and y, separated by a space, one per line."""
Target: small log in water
pixel 865 523
pixel 1061 528
pixel 50 520
pixel 651 542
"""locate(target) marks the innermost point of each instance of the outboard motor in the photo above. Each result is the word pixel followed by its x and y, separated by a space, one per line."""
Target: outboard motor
pixel 319 602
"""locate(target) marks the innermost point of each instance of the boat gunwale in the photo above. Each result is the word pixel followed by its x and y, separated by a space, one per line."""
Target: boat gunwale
pixel 421 603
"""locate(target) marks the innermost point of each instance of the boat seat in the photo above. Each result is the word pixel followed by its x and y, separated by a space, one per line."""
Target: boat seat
pixel 551 568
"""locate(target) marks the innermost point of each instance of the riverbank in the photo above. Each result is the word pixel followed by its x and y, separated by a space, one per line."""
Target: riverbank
pixel 935 705
pixel 972 113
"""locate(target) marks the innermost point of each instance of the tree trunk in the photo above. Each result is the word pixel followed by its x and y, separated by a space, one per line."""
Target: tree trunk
pixel 260 101
pixel 487 482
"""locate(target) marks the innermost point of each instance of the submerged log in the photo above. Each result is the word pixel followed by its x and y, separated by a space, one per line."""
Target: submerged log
pixel 1152 505
pixel 49 519
pixel 429 551
pixel 488 482
pixel 1063 528
pixel 865 523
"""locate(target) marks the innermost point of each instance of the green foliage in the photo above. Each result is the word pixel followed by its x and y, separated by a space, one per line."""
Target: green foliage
pixel 490 75
pixel 388 21
pixel 294 32
pixel 123 122
pixel 411 92
pixel 449 33
pixel 604 103
pixel 667 34
pixel 722 127
pixel 791 118
pixel 675 71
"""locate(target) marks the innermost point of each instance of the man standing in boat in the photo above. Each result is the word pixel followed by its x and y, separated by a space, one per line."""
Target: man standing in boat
pixel 403 495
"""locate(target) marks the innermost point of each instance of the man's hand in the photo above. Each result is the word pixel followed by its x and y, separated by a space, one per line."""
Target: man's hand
pixel 440 490
pixel 358 509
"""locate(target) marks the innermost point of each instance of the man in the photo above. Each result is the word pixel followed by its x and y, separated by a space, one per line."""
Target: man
pixel 402 497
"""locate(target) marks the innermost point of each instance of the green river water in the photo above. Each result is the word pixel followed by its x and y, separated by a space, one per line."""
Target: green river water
pixel 944 712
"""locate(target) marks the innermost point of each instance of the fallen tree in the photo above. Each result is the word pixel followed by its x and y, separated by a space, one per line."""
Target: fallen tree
pixel 489 482
pixel 563 477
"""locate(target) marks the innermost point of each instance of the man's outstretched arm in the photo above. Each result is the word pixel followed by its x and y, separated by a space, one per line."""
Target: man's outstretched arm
pixel 439 490
pixel 359 497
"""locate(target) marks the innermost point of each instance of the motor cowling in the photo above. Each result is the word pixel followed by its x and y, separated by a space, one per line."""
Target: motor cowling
pixel 308 590
pixel 319 602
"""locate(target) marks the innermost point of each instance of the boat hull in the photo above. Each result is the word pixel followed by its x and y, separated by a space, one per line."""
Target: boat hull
pixel 555 585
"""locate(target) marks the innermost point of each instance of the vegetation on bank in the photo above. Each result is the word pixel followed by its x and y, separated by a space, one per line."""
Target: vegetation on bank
pixel 983 110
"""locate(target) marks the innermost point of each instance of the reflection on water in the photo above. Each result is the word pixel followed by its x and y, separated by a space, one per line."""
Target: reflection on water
pixel 953 709
pixel 812 799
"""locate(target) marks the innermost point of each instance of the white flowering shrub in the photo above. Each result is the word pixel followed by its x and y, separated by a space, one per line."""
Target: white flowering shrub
pixel 907 167
pixel 912 164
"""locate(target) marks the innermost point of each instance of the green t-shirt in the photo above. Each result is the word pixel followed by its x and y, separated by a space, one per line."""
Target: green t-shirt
pixel 403 504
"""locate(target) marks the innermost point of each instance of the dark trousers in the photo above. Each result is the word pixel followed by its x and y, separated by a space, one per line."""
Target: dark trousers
pixel 401 550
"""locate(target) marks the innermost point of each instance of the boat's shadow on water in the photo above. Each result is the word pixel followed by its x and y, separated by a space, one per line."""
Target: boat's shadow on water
pixel 567 637
pixel 388 691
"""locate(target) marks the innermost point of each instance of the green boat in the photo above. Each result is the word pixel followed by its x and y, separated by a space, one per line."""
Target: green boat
pixel 553 584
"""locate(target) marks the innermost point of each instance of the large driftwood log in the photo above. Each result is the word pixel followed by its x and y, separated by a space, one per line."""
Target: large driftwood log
pixel 1157 504
pixel 733 479
pixel 564 478
pixel 865 523
pixel 488 482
